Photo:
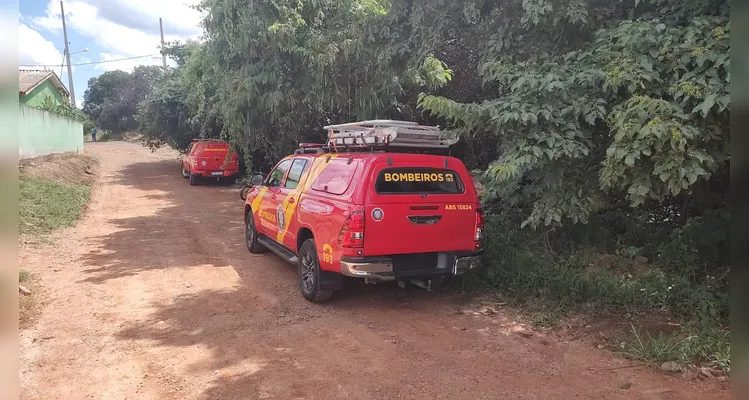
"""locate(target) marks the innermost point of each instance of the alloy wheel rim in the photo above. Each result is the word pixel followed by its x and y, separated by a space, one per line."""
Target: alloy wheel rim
pixel 250 233
pixel 308 272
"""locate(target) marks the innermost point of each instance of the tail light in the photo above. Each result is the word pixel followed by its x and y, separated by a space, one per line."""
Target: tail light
pixel 352 232
pixel 480 220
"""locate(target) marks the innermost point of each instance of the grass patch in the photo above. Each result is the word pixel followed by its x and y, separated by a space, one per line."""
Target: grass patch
pixel 710 347
pixel 29 306
pixel 23 276
pixel 46 205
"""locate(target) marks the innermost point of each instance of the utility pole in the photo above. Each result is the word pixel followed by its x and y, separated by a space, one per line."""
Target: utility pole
pixel 67 54
pixel 163 50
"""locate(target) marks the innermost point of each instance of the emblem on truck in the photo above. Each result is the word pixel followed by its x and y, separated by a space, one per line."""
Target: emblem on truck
pixel 377 214
pixel 280 218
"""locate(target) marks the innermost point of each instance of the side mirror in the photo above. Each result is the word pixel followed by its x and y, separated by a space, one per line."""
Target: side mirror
pixel 257 180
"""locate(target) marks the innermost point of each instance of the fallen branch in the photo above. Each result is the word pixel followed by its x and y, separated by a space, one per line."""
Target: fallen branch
pixel 613 368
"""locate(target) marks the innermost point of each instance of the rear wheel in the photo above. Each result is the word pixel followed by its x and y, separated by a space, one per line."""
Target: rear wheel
pixel 250 235
pixel 309 274
pixel 193 179
pixel 182 171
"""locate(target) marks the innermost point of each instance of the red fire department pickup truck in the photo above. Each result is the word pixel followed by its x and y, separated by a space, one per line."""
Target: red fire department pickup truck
pixel 207 158
pixel 360 206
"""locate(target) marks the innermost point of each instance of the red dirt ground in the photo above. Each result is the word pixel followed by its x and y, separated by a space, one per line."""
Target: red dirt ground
pixel 152 295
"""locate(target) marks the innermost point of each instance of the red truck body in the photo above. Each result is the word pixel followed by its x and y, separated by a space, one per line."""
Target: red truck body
pixel 377 216
pixel 209 158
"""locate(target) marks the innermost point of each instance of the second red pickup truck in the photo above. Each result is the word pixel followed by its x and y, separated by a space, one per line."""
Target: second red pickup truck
pixel 209 158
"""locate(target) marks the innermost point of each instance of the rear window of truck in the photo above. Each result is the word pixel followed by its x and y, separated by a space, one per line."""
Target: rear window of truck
pixel 336 177
pixel 418 180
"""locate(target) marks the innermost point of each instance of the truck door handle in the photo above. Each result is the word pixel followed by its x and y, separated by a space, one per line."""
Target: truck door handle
pixel 273 196
pixel 291 199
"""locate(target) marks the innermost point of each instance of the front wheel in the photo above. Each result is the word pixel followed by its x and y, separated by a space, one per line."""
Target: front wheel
pixel 182 171
pixel 309 274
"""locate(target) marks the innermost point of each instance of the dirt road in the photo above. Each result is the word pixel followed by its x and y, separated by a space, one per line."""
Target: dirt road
pixel 154 296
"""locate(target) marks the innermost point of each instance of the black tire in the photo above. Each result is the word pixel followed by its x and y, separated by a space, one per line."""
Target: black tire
pixel 309 274
pixel 193 179
pixel 250 235
pixel 225 181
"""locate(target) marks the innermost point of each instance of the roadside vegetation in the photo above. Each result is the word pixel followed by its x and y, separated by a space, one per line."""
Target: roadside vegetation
pixel 46 205
pixel 598 130
pixel 28 303
pixel 52 195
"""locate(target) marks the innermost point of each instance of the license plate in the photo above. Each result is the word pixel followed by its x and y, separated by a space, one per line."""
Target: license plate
pixel 217 173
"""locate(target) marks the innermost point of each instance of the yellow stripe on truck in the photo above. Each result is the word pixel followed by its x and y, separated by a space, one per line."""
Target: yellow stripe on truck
pixel 256 201
pixel 314 171
pixel 260 194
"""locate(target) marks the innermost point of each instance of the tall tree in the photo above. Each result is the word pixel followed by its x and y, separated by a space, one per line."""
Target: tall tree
pixel 594 101
pixel 111 99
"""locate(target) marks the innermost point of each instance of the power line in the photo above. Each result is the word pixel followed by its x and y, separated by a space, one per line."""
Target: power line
pixel 92 62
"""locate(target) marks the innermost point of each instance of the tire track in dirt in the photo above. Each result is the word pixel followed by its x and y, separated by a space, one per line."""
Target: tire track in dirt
pixel 156 297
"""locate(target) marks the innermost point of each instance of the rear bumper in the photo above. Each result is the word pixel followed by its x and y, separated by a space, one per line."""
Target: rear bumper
pixel 216 174
pixel 387 269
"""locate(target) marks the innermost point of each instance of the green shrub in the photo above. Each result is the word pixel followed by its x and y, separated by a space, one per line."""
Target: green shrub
pixel 526 264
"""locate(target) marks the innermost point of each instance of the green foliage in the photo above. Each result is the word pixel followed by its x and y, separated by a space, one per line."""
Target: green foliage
pixel 642 106
pixel 112 98
pixel 183 103
pixel 293 67
pixel 696 247
pixel 163 117
pixel 64 109
pixel 46 205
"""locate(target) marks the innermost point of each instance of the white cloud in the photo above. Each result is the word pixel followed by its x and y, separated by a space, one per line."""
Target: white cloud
pixel 34 49
pixel 121 26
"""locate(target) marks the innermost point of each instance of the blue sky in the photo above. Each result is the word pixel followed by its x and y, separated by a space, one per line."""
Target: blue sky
pixel 106 29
